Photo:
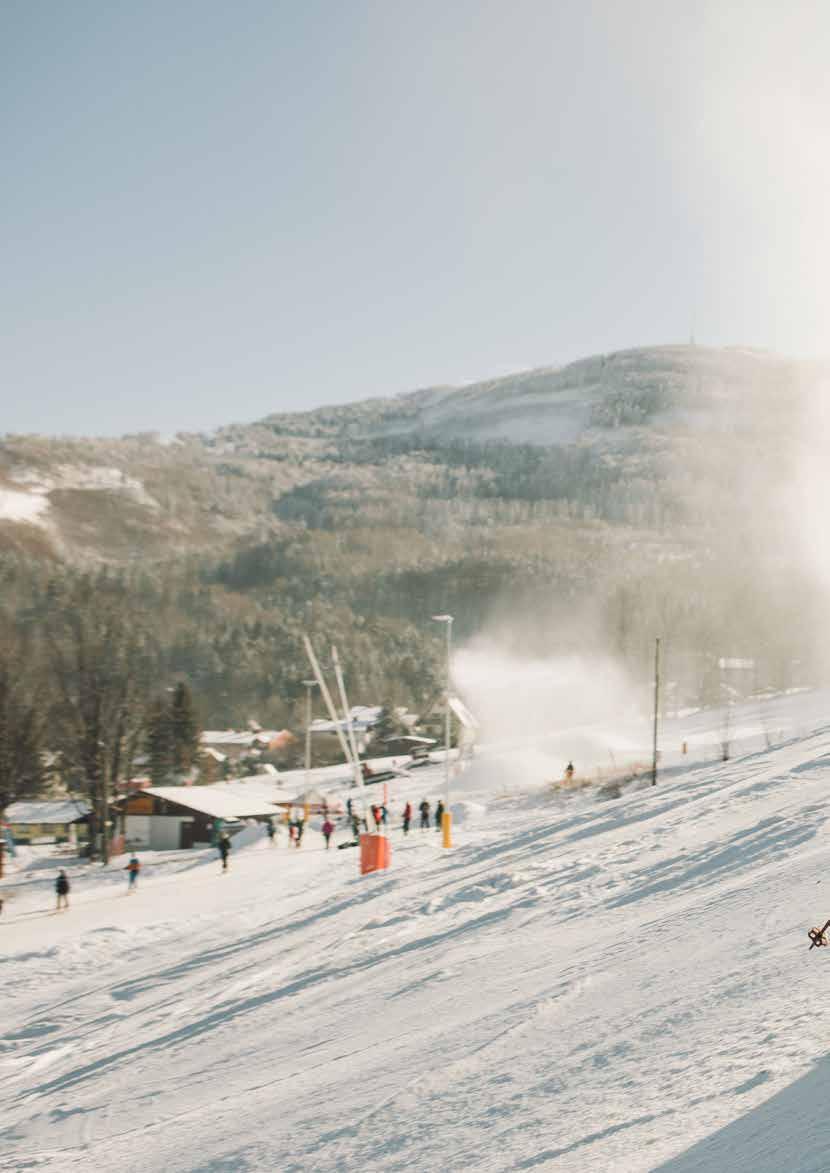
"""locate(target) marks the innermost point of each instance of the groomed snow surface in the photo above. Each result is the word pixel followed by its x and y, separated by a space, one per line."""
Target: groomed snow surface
pixel 577 985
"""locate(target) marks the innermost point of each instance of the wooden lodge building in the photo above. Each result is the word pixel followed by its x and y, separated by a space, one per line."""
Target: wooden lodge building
pixel 164 818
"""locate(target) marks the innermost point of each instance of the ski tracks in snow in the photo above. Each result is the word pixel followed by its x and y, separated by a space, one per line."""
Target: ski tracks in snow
pixel 578 986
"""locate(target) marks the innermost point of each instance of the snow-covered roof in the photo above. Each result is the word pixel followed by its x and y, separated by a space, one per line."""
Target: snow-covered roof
pixel 411 738
pixel 361 718
pixel 312 797
pixel 226 800
pixel 240 736
pixel 58 811
pixel 215 754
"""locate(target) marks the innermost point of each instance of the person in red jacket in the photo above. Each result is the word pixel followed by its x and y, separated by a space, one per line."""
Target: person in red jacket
pixel 407 817
pixel 328 831
pixel 132 869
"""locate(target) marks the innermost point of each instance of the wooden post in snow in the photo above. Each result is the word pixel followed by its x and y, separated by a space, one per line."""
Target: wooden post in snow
pixel 656 710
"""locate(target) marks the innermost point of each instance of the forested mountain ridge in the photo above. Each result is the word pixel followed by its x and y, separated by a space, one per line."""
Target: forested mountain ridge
pixel 606 419
pixel 621 491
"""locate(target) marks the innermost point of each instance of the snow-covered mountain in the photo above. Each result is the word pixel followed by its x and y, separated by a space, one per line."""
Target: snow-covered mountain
pixel 579 984
pixel 114 500
pixel 672 490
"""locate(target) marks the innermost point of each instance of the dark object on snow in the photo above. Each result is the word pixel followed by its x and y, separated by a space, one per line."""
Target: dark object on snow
pixel 224 848
pixel 424 809
pixel 610 790
pixel 817 935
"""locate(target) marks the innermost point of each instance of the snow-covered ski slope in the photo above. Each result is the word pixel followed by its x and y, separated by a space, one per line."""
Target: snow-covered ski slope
pixel 578 985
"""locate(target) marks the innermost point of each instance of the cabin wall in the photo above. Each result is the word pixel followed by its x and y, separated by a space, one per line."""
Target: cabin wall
pixel 165 831
pixel 137 830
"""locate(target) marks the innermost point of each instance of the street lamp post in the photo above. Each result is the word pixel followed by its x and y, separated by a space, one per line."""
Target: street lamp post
pixel 446 820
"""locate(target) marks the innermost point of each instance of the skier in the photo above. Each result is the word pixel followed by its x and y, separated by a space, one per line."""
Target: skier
pixel 569 771
pixel 377 816
pixel 132 869
pixel 384 815
pixel 300 828
pixel 424 809
pixel 439 814
pixel 271 830
pixel 407 817
pixel 328 830
pixel 356 827
pixel 349 808
pixel 224 849
pixel 62 889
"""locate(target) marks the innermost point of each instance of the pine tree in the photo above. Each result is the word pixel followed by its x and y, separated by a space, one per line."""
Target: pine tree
pixel 184 730
pixel 159 742
pixel 387 725
pixel 21 767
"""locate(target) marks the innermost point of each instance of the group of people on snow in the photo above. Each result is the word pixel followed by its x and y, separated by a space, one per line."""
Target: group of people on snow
pixel 296 827
pixel 62 885
pixel 426 815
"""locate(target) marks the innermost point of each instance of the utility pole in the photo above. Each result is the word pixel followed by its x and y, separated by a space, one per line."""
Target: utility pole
pixel 309 684
pixel 347 712
pixel 446 821
pixel 656 710
pixel 105 825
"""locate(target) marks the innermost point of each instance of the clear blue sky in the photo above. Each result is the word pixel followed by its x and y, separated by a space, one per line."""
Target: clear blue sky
pixel 215 210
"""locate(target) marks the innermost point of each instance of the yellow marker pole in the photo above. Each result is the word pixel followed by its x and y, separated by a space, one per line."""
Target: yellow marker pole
pixel 446 828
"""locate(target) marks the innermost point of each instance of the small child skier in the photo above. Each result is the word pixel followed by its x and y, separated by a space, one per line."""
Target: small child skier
pixel 132 869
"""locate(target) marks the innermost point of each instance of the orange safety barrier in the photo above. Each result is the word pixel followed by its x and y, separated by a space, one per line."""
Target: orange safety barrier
pixel 374 853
